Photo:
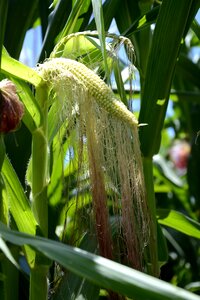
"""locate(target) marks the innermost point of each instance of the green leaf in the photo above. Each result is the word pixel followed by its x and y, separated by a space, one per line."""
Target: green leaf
pixel 65 19
pixel 21 16
pixel 79 46
pixel 119 81
pixel 160 70
pixel 54 121
pixel 162 246
pixel 4 248
pixel 196 28
pixel 188 70
pixel 32 116
pixel 56 23
pixel 12 67
pixel 134 13
pixel 44 11
pixel 179 221
pixel 101 271
pixel 166 171
pixel 3 18
pixel 99 20
pixel 79 287
pixel 143 21
pixel 10 272
pixel 55 187
pixel 74 21
pixel 19 205
pixel 110 7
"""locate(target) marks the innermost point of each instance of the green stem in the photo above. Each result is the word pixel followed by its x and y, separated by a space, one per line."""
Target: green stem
pixel 152 246
pixel 38 283
pixel 38 278
pixel 40 163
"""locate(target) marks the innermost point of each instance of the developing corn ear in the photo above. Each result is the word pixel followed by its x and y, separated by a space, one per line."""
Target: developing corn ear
pixel 109 134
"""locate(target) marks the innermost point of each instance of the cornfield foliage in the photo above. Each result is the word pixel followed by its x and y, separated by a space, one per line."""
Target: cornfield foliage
pixel 99 151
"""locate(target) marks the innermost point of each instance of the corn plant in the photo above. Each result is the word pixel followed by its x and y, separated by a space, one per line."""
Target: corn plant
pixel 78 198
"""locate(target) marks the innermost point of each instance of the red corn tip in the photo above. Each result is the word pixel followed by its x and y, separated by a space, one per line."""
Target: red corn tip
pixel 11 108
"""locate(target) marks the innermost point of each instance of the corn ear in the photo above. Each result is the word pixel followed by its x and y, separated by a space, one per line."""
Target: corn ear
pixel 59 68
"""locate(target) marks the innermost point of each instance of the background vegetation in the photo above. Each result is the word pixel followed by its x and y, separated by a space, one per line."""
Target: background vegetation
pixel 165 35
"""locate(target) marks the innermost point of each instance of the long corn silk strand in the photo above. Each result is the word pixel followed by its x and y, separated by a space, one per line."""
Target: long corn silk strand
pixel 114 156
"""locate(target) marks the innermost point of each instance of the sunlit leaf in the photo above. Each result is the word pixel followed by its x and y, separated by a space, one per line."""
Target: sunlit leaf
pixel 142 22
pixel 179 221
pixel 101 271
pixel 18 203
pixel 12 67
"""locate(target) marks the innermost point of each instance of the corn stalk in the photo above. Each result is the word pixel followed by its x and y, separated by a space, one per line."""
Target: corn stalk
pixel 159 74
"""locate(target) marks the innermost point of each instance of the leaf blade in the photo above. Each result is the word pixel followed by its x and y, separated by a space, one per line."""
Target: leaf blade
pixel 3 19
pixel 19 205
pixel 160 70
pixel 12 67
pixel 99 270
pixel 179 221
